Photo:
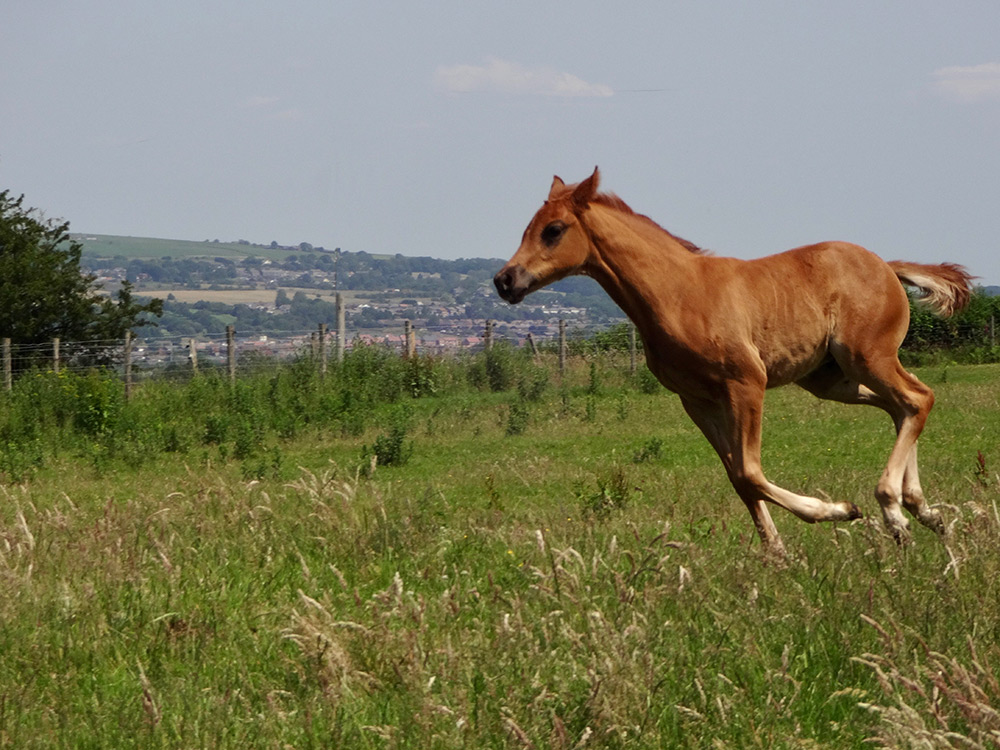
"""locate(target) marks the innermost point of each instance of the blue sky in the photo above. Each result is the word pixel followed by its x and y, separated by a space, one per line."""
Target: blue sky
pixel 435 128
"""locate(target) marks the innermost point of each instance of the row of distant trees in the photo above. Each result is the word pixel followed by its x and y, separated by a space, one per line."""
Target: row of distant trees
pixel 356 271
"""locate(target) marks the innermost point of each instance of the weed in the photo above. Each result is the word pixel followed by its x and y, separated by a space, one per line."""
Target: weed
pixel 594 380
pixel 980 472
pixel 623 407
pixel 422 375
pixel 646 381
pixel 517 418
pixel 565 400
pixel 391 448
pixel 651 450
pixel 532 382
pixel 493 501
pixel 614 491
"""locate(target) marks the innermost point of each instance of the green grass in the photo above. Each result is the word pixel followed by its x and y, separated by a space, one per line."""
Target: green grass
pixel 542 589
pixel 110 246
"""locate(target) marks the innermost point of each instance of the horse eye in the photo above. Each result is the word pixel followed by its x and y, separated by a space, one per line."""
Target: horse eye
pixel 553 233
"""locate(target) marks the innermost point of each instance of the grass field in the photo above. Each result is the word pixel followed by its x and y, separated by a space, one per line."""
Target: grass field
pixel 109 246
pixel 567 572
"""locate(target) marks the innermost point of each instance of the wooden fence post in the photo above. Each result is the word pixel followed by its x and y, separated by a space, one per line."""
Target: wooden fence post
pixel 488 336
pixel 322 350
pixel 410 345
pixel 231 353
pixel 55 355
pixel 128 365
pixel 562 347
pixel 193 355
pixel 341 328
pixel 531 344
pixel 7 381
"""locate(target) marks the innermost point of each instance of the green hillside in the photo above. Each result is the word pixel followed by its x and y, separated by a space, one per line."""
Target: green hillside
pixel 111 246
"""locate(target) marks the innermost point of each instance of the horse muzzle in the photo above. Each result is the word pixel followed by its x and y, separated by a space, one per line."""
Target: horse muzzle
pixel 513 283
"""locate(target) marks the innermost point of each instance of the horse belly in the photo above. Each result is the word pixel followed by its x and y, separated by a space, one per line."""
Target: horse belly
pixel 789 369
pixel 788 358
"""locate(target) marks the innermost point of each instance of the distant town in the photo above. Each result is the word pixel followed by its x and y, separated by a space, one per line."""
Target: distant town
pixel 274 296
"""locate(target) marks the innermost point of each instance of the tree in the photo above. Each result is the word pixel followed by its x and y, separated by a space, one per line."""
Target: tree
pixel 44 295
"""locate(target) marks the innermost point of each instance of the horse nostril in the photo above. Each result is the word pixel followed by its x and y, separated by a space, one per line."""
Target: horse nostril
pixel 503 281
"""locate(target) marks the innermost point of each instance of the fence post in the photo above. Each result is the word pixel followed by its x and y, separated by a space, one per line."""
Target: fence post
pixel 55 355
pixel 562 347
pixel 231 352
pixel 6 365
pixel 341 328
pixel 531 344
pixel 409 343
pixel 488 336
pixel 322 350
pixel 631 348
pixel 993 330
pixel 128 365
pixel 193 356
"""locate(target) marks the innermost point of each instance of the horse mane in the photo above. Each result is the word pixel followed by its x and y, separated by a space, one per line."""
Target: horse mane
pixel 612 201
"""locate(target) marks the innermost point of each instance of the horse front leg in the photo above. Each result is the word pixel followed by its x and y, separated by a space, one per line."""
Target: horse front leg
pixel 735 425
pixel 712 422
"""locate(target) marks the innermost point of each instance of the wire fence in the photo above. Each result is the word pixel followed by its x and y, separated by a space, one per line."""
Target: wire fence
pixel 179 357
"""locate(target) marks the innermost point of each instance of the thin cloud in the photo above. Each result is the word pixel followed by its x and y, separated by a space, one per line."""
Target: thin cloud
pixel 505 77
pixel 973 83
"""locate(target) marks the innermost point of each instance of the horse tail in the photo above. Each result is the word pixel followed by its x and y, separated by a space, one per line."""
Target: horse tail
pixel 946 288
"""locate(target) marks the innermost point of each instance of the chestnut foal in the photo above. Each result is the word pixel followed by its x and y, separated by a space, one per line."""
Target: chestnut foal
pixel 719 331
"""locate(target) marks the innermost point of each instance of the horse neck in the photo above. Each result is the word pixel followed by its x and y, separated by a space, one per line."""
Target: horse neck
pixel 639 264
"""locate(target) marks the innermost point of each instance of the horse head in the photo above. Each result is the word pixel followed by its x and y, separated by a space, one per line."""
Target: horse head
pixel 555 244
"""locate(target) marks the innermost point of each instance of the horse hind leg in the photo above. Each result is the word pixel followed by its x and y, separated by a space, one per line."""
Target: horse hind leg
pixel 830 382
pixel 913 497
pixel 909 402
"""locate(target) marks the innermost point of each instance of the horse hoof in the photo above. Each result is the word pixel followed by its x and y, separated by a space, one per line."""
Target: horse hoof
pixel 853 512
pixel 933 521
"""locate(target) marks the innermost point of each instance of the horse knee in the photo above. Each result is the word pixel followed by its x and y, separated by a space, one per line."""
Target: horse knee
pixel 748 485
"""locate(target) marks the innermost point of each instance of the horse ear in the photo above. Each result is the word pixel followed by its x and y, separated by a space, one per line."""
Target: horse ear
pixel 557 185
pixel 586 190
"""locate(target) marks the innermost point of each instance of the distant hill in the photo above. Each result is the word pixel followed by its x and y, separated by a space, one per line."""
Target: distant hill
pixel 113 246
pixel 992 291
pixel 447 289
